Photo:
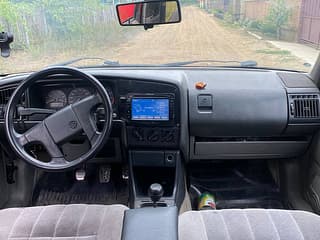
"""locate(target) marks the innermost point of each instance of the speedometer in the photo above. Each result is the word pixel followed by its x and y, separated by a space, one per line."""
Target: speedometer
pixel 56 99
pixel 78 94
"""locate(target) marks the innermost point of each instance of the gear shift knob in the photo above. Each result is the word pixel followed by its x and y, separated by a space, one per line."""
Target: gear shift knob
pixel 155 192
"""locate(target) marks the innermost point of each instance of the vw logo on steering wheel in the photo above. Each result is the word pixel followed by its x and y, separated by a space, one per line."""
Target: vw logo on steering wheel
pixel 73 124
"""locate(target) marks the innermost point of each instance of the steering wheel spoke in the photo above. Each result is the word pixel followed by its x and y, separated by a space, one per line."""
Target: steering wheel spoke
pixel 84 111
pixel 58 161
pixel 21 139
pixel 40 134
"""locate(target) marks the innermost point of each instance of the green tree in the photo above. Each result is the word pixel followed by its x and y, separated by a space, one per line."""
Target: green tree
pixel 278 15
pixel 7 15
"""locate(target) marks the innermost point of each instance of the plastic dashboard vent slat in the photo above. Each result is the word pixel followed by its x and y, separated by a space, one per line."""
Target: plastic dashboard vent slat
pixel 306 106
pixel 5 95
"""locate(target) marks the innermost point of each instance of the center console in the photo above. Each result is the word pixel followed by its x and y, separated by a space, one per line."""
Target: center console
pixel 150 223
pixel 152 124
pixel 158 166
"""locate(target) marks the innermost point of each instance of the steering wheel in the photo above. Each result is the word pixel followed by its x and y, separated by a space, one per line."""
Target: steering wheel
pixel 62 125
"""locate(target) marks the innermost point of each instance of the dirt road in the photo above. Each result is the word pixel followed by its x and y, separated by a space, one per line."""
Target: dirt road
pixel 198 36
pixel 201 36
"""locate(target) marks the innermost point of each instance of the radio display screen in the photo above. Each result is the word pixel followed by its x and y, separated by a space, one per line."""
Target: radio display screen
pixel 150 109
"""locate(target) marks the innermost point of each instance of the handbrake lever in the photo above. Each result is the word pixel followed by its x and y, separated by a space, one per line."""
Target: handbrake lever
pixel 22 111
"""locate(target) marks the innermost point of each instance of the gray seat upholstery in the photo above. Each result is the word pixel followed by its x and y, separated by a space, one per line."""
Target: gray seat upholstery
pixel 62 222
pixel 249 224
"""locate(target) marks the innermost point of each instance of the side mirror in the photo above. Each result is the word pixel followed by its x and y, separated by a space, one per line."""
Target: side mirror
pixel 149 13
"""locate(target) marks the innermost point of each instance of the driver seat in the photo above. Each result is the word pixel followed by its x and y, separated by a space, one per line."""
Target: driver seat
pixel 62 222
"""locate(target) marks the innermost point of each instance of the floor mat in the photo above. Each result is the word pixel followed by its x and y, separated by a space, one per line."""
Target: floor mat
pixel 236 185
pixel 62 188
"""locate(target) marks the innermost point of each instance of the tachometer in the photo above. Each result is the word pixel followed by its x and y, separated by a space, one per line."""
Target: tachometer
pixel 78 94
pixel 56 99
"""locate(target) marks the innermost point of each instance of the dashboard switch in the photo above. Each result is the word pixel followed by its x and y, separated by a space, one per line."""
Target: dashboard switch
pixel 204 101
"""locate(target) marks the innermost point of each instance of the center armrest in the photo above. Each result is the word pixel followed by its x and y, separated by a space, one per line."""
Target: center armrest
pixel 159 223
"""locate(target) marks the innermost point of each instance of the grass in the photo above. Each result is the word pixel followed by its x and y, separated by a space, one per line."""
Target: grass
pixel 274 52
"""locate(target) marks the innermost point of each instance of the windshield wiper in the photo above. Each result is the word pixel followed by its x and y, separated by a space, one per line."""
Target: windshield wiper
pixel 244 64
pixel 69 62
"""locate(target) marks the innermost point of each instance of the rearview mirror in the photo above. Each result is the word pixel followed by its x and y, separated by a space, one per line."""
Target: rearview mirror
pixel 149 13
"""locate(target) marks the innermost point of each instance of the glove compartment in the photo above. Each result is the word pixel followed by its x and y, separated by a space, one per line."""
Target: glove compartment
pixel 240 115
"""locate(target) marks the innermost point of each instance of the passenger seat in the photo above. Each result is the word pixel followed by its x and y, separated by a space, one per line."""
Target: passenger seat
pixel 255 224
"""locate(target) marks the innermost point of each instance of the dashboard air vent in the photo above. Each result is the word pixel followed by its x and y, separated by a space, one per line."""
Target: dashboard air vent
pixel 5 95
pixel 305 106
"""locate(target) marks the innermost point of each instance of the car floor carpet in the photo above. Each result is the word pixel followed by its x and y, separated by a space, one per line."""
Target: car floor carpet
pixel 62 188
pixel 236 185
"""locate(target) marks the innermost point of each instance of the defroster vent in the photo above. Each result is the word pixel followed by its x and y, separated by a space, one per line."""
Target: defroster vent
pixel 304 106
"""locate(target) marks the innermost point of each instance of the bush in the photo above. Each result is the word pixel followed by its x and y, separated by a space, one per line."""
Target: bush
pixel 251 24
pixel 228 17
pixel 255 24
pixel 276 19
pixel 278 16
pixel 267 27
pixel 218 13
pixel 244 22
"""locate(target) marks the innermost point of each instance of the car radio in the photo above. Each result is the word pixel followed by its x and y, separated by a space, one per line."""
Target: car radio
pixel 151 120
pixel 150 108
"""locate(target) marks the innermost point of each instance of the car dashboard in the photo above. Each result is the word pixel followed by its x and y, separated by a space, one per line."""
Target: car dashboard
pixel 239 114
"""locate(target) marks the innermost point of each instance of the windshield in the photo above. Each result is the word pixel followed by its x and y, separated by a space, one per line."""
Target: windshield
pixel 273 33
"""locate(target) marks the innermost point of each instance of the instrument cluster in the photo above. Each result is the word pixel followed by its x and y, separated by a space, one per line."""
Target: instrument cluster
pixel 57 98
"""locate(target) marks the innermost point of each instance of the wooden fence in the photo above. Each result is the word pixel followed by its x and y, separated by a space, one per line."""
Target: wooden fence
pixel 256 10
pixel 309 31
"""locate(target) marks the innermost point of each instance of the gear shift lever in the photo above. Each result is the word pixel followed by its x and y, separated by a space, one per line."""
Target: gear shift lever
pixel 155 192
